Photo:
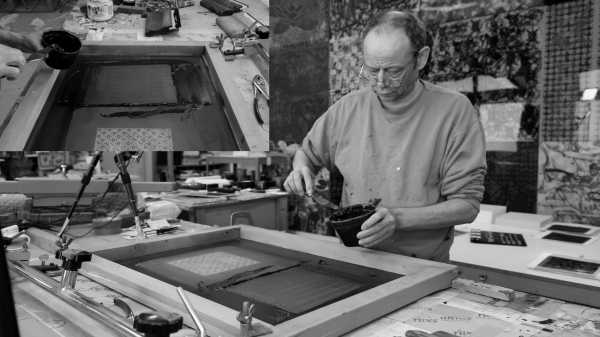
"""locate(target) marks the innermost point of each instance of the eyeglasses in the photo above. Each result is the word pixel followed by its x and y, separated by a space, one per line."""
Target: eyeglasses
pixel 392 74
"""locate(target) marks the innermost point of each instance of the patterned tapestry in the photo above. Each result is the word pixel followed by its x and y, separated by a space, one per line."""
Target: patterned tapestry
pixel 567 54
pixel 569 182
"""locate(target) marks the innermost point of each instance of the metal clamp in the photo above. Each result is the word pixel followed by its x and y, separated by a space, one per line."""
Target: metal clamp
pixel 245 318
pixel 259 87
pixel 259 84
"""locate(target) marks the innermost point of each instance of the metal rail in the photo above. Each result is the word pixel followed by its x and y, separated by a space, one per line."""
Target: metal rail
pixel 93 309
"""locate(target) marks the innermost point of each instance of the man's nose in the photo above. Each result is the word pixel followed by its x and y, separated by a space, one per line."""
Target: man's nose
pixel 380 75
pixel 380 78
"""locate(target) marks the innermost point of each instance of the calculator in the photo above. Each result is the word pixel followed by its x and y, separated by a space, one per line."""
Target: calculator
pixel 497 238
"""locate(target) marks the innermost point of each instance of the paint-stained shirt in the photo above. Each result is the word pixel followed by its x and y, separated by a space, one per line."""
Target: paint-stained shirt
pixel 431 148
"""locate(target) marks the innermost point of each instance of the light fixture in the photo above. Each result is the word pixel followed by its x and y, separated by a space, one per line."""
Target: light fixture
pixel 589 94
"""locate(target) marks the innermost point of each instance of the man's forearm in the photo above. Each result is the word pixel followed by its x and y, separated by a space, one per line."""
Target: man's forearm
pixel 445 214
pixel 14 40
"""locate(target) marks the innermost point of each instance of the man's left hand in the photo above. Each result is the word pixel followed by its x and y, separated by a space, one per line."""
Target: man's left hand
pixel 377 228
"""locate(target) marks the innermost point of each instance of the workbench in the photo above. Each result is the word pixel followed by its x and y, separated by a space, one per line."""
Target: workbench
pixel 514 266
pixel 267 210
pixel 450 310
pixel 22 103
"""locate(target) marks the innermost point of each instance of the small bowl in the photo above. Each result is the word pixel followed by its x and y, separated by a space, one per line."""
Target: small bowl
pixel 64 48
pixel 346 222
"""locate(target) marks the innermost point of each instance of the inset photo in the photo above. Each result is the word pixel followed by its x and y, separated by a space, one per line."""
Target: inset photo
pixel 153 75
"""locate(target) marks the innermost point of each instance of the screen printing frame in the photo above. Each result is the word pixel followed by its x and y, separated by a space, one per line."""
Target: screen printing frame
pixel 23 102
pixel 421 278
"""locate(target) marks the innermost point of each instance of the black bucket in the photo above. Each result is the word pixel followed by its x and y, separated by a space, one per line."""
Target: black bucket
pixel 347 221
pixel 64 48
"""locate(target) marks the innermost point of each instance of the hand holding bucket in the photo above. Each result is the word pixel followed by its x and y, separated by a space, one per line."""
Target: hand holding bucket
pixel 60 49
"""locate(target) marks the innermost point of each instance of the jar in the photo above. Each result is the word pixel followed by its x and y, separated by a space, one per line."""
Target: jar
pixel 100 10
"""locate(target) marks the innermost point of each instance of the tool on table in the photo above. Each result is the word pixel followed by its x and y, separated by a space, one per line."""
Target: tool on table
pixel 243 25
pixel 256 27
pixel 201 331
pixel 245 319
pixel 221 7
pixel 63 241
pixel 157 324
pixel 261 99
pixel 230 49
pixel 45 267
pixel 497 238
pixel 184 109
pixel 162 21
pixel 417 333
pixel 16 243
pixel 120 159
pixel 235 47
pixel 60 49
pixel 321 200
pixel 125 307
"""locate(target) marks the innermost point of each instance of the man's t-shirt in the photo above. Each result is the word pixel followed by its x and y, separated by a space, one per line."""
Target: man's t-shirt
pixel 431 148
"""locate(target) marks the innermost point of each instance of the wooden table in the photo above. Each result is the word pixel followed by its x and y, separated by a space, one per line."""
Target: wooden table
pixel 513 266
pixel 267 210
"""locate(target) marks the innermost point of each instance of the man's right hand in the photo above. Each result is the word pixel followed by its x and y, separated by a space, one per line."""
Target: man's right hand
pixel 11 62
pixel 300 181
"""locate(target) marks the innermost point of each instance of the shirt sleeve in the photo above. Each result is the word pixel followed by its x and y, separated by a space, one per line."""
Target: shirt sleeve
pixel 320 142
pixel 464 166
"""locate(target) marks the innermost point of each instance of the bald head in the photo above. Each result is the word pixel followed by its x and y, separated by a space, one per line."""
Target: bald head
pixel 409 30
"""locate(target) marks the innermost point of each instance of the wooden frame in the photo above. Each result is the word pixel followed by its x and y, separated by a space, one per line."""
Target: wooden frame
pixel 39 186
pixel 421 277
pixel 20 121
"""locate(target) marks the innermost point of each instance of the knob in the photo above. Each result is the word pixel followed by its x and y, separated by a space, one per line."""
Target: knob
pixel 73 258
pixel 157 324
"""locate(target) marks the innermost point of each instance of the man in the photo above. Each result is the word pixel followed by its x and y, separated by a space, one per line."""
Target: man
pixel 12 46
pixel 417 146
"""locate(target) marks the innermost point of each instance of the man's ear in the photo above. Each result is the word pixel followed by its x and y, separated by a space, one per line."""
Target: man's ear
pixel 422 57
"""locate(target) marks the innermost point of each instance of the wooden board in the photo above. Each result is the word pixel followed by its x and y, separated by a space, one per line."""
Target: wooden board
pixel 37 186
pixel 11 92
pixel 239 106
pixel 517 269
pixel 420 278
pixel 16 134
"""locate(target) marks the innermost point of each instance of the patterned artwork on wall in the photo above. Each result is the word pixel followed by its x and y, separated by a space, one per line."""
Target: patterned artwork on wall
pixel 293 22
pixel 569 182
pixel 567 54
pixel 501 122
pixel 501 46
pixel 432 11
pixel 500 57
